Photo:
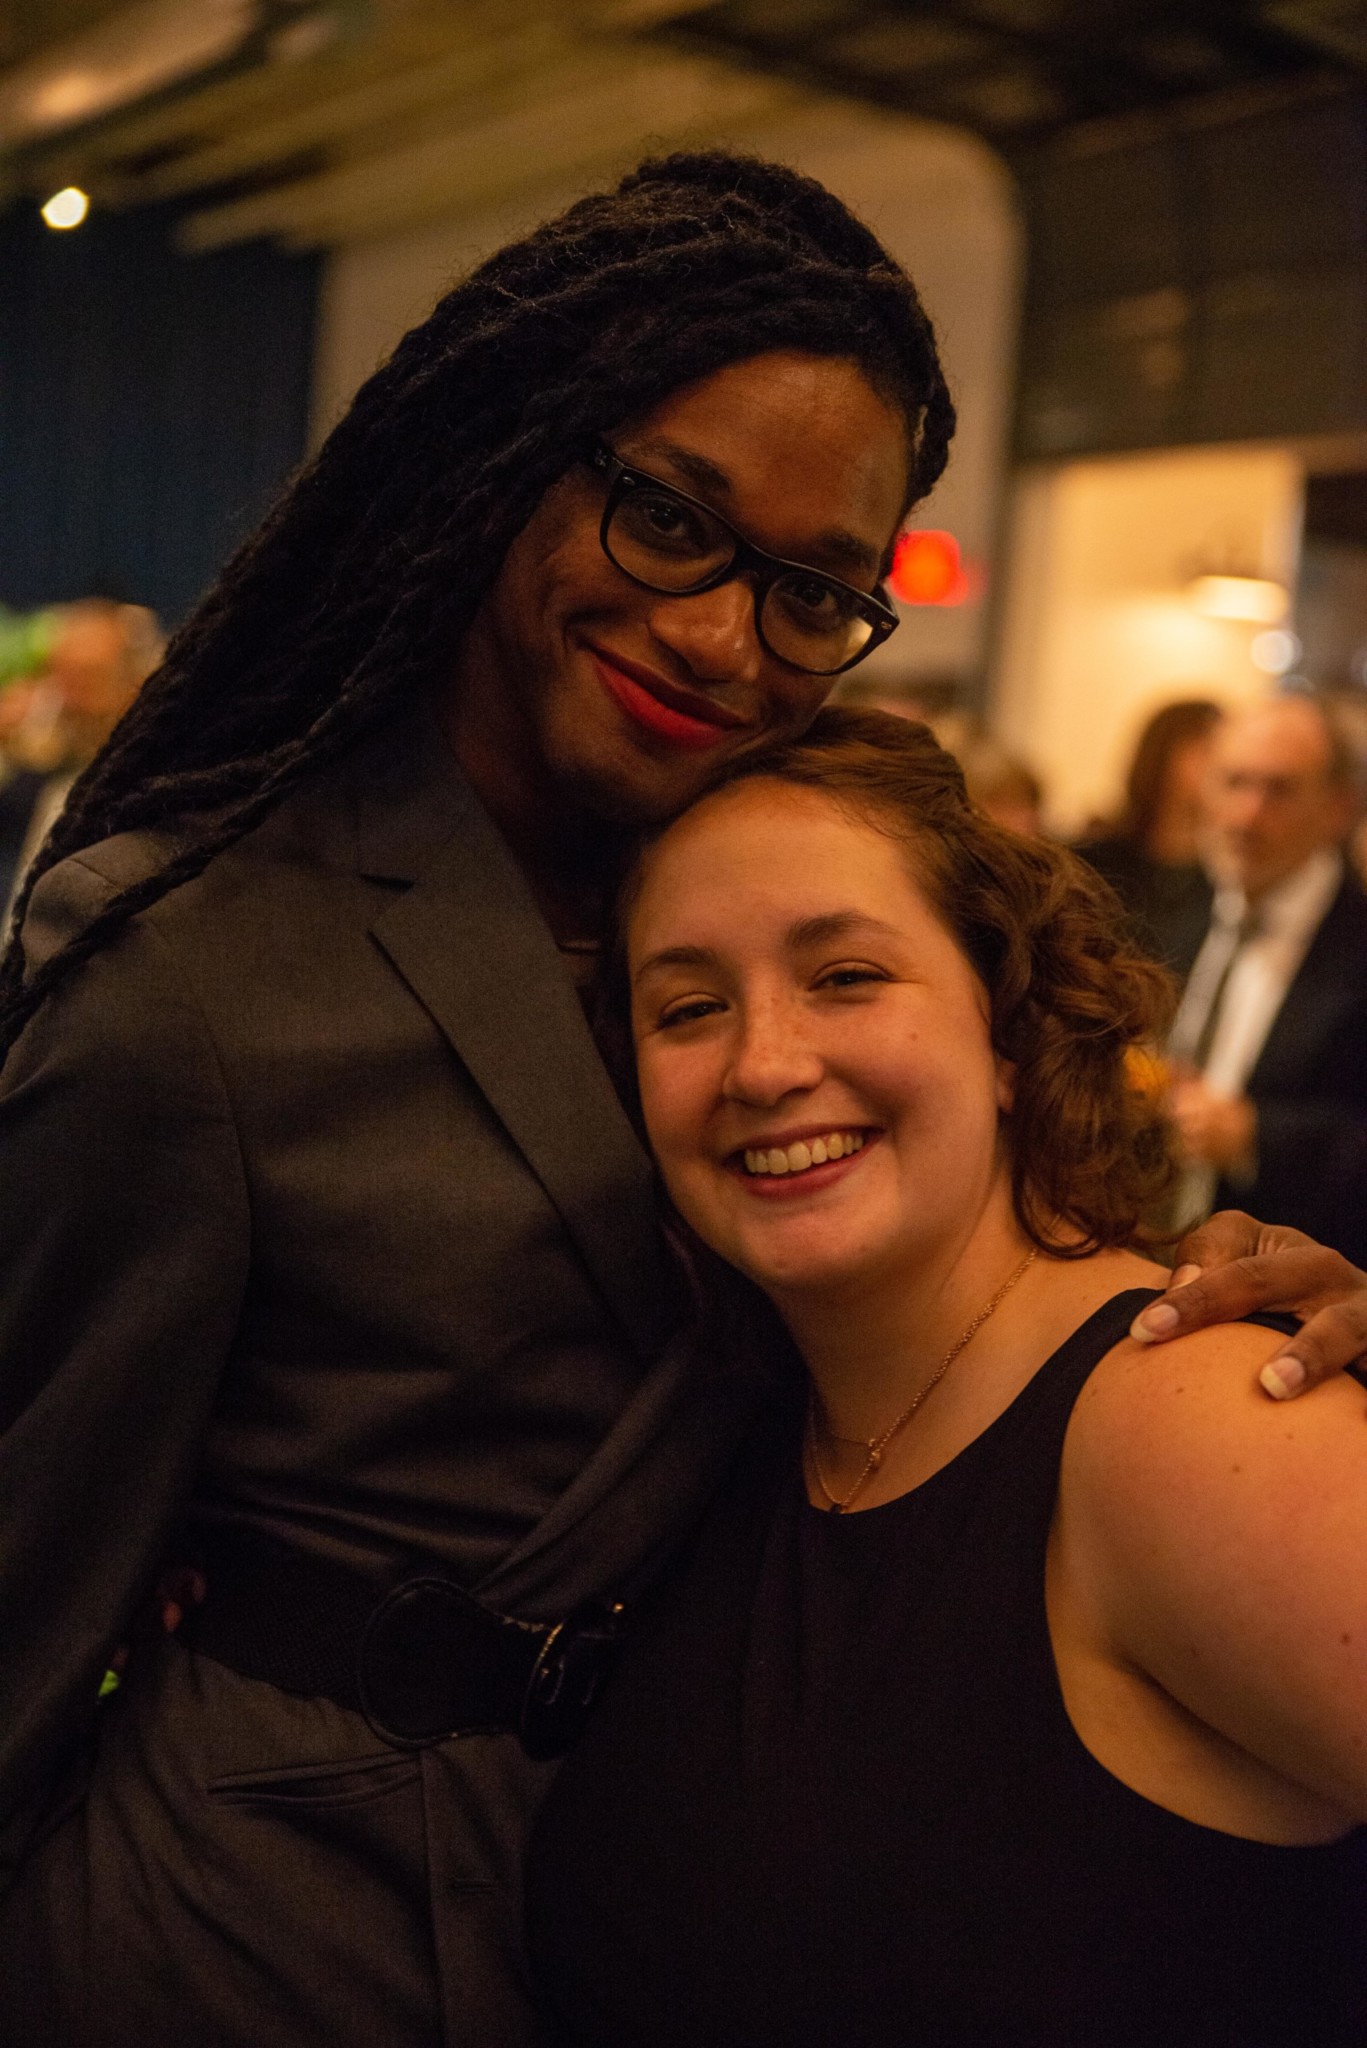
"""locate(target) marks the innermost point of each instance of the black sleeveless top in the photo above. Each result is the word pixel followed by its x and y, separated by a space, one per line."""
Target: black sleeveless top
pixel 832 1796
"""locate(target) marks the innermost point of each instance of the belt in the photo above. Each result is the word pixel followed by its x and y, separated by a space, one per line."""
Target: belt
pixel 422 1660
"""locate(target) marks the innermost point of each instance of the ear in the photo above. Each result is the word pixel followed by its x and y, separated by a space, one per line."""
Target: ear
pixel 1006 1086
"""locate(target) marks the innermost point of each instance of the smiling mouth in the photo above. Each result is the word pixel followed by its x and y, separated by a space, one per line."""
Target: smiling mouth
pixel 683 718
pixel 776 1162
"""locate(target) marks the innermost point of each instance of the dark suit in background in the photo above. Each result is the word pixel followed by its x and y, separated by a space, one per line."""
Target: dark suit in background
pixel 1309 1088
pixel 320 1225
pixel 1168 903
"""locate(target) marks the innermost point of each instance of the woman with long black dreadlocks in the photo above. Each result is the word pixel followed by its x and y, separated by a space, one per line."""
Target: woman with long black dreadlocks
pixel 327 1260
pixel 328 1255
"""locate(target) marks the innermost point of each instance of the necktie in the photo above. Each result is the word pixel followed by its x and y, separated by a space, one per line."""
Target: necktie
pixel 1193 1037
pixel 1199 1018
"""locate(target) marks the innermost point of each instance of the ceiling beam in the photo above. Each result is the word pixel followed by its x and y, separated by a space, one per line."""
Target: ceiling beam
pixel 597 109
pixel 415 34
pixel 366 117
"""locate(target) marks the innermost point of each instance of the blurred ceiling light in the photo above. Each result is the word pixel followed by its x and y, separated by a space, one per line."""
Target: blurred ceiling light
pixel 118 61
pixel 1275 651
pixel 927 568
pixel 67 208
pixel 67 98
pixel 1254 598
pixel 307 35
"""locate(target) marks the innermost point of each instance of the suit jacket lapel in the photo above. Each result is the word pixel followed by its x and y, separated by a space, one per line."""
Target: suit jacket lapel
pixel 655 1471
pixel 469 941
pixel 1321 990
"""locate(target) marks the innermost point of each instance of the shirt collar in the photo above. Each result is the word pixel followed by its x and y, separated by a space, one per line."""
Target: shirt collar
pixel 1296 903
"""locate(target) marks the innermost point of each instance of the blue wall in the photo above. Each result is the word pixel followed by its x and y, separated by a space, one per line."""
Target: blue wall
pixel 151 404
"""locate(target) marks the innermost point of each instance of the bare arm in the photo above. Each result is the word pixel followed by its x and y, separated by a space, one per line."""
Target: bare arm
pixel 1233 1265
pixel 1224 1546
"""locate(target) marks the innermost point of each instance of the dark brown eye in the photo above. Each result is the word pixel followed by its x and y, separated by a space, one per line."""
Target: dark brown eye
pixel 663 524
pixel 815 605
pixel 690 1011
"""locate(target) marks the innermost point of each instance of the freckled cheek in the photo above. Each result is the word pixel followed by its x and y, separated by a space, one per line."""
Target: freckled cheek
pixel 929 1097
pixel 888 1067
pixel 676 1100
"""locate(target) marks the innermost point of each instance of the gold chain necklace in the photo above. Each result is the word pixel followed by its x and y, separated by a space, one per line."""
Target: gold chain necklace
pixel 876 1445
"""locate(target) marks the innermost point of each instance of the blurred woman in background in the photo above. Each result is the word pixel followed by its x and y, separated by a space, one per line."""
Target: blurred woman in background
pixel 1151 855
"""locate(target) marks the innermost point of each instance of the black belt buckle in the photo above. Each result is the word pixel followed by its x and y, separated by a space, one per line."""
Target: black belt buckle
pixel 567 1678
pixel 434 1663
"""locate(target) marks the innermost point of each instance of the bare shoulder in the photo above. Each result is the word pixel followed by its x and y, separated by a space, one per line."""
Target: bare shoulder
pixel 1155 1427
pixel 1214 1542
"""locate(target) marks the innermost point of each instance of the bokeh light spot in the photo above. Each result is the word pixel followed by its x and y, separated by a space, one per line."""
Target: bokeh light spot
pixel 927 568
pixel 1276 651
pixel 67 208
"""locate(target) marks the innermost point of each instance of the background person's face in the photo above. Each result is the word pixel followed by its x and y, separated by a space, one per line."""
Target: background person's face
pixel 629 699
pixel 1271 801
pixel 90 666
pixel 1188 772
pixel 791 985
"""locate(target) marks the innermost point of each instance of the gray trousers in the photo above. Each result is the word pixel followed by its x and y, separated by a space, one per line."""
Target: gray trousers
pixel 244 1869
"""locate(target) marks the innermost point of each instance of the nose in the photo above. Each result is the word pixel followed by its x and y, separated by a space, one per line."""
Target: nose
pixel 773 1055
pixel 712 632
pixel 1239 808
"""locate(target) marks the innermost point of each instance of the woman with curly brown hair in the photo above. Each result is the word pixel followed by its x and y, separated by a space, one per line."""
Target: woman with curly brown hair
pixel 1013 1692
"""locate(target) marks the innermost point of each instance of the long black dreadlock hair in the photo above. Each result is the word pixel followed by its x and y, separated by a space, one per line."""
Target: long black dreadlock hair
pixel 360 585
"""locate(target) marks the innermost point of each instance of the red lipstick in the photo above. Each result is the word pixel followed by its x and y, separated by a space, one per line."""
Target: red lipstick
pixel 692 723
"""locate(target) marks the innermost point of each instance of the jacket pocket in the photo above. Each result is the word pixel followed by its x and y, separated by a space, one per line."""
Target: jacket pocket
pixel 352 1782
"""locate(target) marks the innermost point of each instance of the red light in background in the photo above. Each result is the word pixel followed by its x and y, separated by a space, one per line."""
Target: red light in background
pixel 927 568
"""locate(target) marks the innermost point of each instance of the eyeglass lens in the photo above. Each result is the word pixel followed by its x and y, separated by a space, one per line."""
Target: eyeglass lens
pixel 671 545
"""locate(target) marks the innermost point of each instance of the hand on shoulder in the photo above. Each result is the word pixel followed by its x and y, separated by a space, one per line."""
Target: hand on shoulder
pixel 1234 1264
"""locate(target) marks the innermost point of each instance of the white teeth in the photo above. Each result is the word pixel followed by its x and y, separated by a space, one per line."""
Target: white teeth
pixel 797 1158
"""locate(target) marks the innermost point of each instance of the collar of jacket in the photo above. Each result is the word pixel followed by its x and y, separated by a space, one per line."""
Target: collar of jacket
pixel 466 936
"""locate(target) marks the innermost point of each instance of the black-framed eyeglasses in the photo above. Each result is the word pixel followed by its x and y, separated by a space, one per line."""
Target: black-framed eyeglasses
pixel 674 544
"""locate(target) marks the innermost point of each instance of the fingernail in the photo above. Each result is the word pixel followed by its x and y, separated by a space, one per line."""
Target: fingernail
pixel 1184 1276
pixel 1282 1377
pixel 1153 1323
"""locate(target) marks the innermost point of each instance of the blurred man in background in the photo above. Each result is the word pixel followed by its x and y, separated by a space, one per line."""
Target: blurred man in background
pixel 1270 1043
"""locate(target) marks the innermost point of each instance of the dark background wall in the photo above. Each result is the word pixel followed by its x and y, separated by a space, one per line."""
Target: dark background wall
pixel 1206 281
pixel 151 403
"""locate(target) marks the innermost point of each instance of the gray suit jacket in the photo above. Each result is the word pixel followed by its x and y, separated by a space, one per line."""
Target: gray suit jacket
pixel 318 1218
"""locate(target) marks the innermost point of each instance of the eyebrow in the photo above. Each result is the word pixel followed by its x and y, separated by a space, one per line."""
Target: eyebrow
pixel 835 548
pixel 837 924
pixel 799 937
pixel 675 956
